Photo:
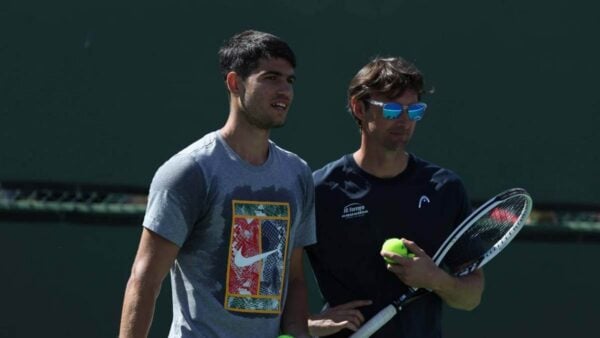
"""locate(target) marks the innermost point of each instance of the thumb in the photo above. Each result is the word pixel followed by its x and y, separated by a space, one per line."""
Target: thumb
pixel 413 248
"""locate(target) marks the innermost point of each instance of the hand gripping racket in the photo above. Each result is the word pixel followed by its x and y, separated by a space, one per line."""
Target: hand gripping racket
pixel 478 239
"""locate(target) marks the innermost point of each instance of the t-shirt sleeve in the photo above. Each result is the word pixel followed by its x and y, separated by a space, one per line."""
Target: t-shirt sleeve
pixel 305 232
pixel 176 199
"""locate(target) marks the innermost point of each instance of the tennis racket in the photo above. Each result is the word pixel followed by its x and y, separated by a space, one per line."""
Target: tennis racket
pixel 478 239
pixel 34 200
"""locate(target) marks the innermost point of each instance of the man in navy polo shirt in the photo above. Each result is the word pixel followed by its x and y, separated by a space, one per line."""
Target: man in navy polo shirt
pixel 382 191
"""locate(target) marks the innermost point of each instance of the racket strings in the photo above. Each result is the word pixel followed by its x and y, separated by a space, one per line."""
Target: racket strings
pixel 489 233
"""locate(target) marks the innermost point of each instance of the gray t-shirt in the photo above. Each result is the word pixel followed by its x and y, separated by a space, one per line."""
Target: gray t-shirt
pixel 236 225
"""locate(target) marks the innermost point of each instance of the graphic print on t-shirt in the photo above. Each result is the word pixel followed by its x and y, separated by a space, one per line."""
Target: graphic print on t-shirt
pixel 257 251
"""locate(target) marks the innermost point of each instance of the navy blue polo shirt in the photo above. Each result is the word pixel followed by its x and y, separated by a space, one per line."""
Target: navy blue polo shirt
pixel 356 212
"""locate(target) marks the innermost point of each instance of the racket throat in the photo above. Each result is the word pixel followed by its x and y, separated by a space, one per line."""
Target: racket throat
pixel 402 300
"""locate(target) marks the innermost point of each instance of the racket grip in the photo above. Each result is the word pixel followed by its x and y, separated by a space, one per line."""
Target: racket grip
pixel 376 322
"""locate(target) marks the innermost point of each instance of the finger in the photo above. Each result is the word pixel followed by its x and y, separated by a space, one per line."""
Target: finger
pixel 354 320
pixel 350 325
pixel 352 315
pixel 413 247
pixel 353 326
pixel 401 260
pixel 356 316
pixel 360 316
pixel 354 304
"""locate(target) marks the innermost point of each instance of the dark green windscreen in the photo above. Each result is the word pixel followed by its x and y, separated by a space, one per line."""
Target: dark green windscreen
pixel 105 91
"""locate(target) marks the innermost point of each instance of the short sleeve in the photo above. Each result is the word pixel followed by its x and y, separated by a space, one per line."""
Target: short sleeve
pixel 305 232
pixel 176 199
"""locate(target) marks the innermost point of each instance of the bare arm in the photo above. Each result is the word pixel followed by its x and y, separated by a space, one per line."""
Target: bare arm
pixel 460 292
pixel 153 260
pixel 295 315
pixel 421 272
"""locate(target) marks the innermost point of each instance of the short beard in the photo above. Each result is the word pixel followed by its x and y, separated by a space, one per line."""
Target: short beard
pixel 256 121
pixel 264 124
pixel 395 146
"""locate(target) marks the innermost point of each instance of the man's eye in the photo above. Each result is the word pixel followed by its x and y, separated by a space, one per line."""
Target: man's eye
pixel 291 80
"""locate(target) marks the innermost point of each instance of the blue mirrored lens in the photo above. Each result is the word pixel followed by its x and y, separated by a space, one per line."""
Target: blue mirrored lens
pixel 416 111
pixel 394 110
pixel 415 115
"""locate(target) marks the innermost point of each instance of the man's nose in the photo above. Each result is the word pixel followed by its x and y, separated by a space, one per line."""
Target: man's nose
pixel 286 88
pixel 404 115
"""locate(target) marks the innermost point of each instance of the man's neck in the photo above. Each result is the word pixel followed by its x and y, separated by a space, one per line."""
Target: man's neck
pixel 250 143
pixel 380 162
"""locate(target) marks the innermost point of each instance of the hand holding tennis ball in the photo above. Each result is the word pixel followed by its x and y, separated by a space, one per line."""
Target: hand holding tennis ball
pixel 396 246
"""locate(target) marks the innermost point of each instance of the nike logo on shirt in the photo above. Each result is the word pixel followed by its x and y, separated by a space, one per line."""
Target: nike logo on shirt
pixel 242 261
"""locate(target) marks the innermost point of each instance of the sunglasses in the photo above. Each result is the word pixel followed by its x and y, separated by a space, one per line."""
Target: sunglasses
pixel 393 110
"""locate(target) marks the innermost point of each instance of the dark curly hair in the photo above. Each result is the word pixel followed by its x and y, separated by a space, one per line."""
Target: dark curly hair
pixel 390 77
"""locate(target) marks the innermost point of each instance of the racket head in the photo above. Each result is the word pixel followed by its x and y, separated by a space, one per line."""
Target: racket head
pixel 485 232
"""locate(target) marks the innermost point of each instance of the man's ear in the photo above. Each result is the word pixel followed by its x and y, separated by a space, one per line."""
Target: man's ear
pixel 234 83
pixel 358 108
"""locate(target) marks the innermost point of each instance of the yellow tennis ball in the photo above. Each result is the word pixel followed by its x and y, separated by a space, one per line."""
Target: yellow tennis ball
pixel 285 336
pixel 396 246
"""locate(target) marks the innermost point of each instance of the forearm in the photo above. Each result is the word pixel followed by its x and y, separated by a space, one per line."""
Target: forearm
pixel 294 319
pixel 460 292
pixel 295 316
pixel 138 309
pixel 152 262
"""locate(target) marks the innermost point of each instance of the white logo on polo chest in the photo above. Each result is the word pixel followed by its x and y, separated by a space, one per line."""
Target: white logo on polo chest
pixel 354 210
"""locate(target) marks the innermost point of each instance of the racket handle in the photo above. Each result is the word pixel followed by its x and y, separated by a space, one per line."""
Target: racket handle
pixel 376 322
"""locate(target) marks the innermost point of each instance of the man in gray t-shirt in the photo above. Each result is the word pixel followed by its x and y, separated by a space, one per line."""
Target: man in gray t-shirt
pixel 230 214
